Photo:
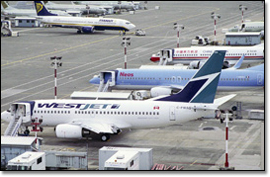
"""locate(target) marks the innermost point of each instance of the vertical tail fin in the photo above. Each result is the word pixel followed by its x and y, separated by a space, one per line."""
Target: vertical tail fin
pixel 42 10
pixel 203 86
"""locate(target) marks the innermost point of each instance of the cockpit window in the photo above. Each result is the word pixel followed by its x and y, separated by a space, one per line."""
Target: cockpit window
pixel 8 110
pixel 127 23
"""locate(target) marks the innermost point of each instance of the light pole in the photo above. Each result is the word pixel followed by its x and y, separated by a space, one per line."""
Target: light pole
pixel 56 63
pixel 125 43
pixel 242 8
pixel 178 27
pixel 215 17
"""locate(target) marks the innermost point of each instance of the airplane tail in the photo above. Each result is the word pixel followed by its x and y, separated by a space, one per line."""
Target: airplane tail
pixel 42 10
pixel 203 86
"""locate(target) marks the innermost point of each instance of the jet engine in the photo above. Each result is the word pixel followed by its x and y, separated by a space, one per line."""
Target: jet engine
pixel 88 29
pixel 159 91
pixel 71 131
pixel 196 64
pixel 199 64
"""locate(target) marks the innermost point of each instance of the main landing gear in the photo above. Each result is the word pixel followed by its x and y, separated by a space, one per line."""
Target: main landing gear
pixel 105 137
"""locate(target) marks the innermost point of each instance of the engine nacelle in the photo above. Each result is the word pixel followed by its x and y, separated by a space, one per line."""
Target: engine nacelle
pixel 196 64
pixel 68 131
pixel 199 64
pixel 159 91
pixel 88 29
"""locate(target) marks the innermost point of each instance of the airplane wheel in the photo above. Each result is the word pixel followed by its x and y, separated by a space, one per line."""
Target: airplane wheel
pixel 105 137
pixel 221 120
pixel 26 132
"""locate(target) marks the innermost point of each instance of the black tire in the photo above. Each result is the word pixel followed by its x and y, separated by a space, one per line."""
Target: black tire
pixel 26 132
pixel 105 137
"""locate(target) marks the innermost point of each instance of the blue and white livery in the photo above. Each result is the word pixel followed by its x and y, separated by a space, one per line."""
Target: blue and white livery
pixel 165 80
pixel 83 24
pixel 79 118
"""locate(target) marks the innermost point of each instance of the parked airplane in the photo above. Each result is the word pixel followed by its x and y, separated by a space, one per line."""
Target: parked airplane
pixel 252 27
pixel 14 12
pixel 248 27
pixel 116 4
pixel 165 81
pixel 186 55
pixel 77 118
pixel 85 25
pixel 83 9
pixel 24 5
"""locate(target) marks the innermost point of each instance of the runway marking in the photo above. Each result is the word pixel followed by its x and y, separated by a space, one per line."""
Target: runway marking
pixel 201 125
pixel 169 22
pixel 232 127
pixel 57 51
pixel 193 163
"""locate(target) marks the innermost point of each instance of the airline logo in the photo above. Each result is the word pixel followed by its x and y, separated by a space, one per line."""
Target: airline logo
pixel 80 106
pixel 123 74
pixel 156 107
pixel 186 51
pixel 105 20
pixel 39 7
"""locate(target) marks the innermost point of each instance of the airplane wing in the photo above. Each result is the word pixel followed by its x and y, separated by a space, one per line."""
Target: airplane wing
pixel 100 127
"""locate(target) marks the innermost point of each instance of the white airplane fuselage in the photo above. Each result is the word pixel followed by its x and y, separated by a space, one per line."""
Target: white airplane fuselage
pixel 80 22
pixel 185 55
pixel 125 114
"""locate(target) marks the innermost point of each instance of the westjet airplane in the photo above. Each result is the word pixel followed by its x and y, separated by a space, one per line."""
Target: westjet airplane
pixel 186 55
pixel 77 118
pixel 165 80
pixel 83 24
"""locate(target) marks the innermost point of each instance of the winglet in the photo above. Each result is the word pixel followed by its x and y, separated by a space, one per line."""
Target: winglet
pixel 238 63
pixel 203 86
pixel 42 10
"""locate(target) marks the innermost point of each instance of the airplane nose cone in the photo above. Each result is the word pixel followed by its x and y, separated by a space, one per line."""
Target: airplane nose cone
pixel 132 26
pixel 154 59
pixel 5 116
pixel 95 80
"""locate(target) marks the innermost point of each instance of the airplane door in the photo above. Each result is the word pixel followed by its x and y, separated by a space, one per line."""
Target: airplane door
pixel 21 110
pixel 172 114
pixel 259 79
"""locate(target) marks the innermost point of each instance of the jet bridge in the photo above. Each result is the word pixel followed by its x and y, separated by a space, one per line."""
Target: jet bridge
pixel 20 112
pixel 166 56
pixel 107 80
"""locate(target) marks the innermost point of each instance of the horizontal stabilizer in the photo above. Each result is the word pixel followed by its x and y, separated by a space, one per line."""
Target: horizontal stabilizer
pixel 222 100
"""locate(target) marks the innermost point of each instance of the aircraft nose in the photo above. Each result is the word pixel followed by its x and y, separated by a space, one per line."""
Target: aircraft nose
pixel 132 26
pixel 5 116
pixel 94 80
pixel 154 59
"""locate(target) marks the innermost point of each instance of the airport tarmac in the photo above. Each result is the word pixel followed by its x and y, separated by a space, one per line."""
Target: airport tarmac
pixel 26 74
